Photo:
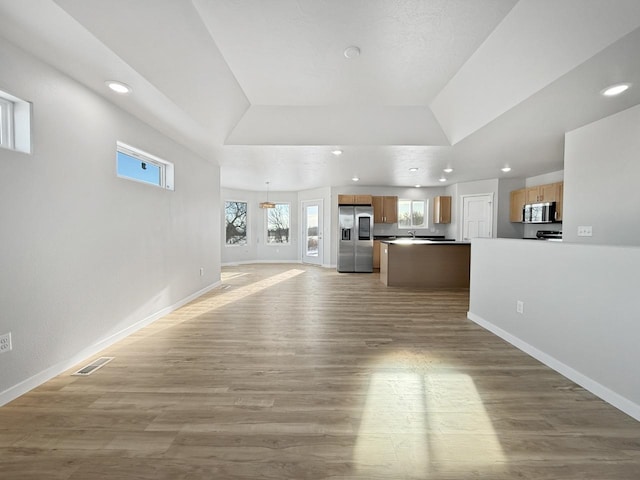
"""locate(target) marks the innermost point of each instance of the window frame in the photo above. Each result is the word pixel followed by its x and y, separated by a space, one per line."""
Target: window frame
pixel 425 223
pixel 246 235
pixel 166 168
pixel 6 123
pixel 266 225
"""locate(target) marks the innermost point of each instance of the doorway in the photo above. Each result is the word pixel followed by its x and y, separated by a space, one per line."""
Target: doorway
pixel 312 245
pixel 477 216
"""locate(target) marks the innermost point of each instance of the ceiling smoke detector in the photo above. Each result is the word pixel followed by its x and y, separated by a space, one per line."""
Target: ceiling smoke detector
pixel 352 52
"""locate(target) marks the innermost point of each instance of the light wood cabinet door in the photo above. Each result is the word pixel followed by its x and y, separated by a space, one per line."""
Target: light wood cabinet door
pixel 559 196
pixel 376 254
pixel 390 209
pixel 362 200
pixel 385 209
pixel 442 209
pixel 346 199
pixel 378 206
pixel 518 198
pixel 548 193
pixel 533 195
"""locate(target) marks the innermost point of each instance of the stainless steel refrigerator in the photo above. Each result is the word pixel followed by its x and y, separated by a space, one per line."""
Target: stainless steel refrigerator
pixel 355 242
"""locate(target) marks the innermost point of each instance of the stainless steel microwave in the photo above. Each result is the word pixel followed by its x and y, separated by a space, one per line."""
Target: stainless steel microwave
pixel 539 213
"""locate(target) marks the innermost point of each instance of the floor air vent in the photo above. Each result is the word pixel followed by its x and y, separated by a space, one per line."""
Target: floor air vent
pixel 93 366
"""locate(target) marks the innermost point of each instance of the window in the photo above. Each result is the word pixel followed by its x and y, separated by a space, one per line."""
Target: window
pixel 278 224
pixel 134 164
pixel 235 214
pixel 15 123
pixel 411 214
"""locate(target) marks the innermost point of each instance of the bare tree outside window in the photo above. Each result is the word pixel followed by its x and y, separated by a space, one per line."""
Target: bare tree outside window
pixel 235 223
pixel 411 213
pixel 278 225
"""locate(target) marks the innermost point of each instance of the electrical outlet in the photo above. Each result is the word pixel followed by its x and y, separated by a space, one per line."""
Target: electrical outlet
pixel 519 306
pixel 585 231
pixel 5 343
pixel 201 271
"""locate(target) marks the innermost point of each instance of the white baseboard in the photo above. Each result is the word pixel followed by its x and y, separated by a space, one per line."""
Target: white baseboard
pixel 621 403
pixel 253 262
pixel 38 379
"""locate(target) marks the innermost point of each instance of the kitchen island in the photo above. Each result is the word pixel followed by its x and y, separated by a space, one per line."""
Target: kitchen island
pixel 425 263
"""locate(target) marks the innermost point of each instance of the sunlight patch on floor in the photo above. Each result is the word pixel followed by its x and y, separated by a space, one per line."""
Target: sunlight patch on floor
pixel 418 424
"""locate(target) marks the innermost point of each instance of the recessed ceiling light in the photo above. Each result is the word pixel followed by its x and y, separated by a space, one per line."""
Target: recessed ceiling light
pixel 442 179
pixel 355 179
pixel 418 186
pixel 352 52
pixel 413 169
pixel 447 170
pixel 614 90
pixel 337 152
pixel 506 169
pixel 118 87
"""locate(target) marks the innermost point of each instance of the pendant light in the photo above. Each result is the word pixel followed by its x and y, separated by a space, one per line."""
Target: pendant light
pixel 267 204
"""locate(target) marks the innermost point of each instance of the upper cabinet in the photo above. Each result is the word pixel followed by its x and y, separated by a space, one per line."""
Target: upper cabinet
pixel 551 192
pixel 442 209
pixel 385 209
pixel 354 199
pixel 517 203
pixel 542 193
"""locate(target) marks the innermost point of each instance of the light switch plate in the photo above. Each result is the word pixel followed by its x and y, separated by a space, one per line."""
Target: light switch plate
pixel 585 231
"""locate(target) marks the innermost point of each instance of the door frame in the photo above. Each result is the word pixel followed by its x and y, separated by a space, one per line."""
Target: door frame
pixel 493 213
pixel 303 233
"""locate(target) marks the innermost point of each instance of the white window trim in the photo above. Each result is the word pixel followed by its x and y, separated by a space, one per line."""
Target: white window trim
pixel 224 223
pixel 15 123
pixel 266 226
pixel 6 123
pixel 166 168
pixel 426 213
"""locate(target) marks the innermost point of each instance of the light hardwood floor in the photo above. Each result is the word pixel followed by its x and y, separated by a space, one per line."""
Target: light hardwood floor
pixel 296 372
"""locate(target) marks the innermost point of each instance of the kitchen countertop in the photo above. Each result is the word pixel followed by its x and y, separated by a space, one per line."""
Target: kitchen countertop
pixel 422 241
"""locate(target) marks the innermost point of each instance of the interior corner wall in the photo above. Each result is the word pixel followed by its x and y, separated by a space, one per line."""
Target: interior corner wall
pixel 87 257
pixel 601 180
pixel 506 228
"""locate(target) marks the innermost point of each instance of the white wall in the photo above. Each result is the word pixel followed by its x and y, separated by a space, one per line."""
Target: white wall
pixel 86 256
pixel 581 322
pixel 506 228
pixel 256 249
pixel 459 190
pixel 601 180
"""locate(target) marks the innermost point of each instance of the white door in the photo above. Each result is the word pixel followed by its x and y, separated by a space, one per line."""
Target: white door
pixel 477 216
pixel 312 232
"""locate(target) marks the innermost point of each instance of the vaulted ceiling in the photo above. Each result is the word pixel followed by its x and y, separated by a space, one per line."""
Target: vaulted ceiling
pixel 264 89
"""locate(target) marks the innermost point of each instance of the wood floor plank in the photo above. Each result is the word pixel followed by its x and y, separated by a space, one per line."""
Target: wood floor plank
pixel 298 372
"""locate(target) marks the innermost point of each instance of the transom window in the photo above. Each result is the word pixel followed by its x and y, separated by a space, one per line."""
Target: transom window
pixel 411 214
pixel 278 224
pixel 135 164
pixel 15 123
pixel 235 215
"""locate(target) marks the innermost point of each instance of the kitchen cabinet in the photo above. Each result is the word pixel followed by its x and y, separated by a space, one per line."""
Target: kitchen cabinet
pixel 516 204
pixel 385 209
pixel 542 193
pixel 559 197
pixel 354 199
pixel 442 209
pixel 376 254
pixel 552 192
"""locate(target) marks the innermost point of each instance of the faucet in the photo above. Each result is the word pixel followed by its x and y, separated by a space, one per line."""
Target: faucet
pixel 412 233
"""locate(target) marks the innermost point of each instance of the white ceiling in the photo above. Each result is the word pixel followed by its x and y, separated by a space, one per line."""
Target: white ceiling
pixel 263 89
